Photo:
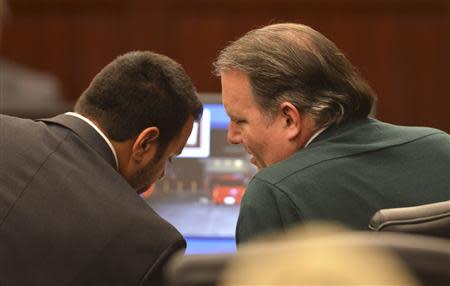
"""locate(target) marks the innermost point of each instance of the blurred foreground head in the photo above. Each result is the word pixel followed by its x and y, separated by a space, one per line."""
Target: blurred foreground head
pixel 319 254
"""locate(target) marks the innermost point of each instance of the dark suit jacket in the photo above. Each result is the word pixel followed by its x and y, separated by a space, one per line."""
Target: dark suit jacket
pixel 67 217
pixel 345 175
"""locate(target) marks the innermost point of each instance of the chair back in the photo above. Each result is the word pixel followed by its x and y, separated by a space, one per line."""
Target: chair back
pixel 430 219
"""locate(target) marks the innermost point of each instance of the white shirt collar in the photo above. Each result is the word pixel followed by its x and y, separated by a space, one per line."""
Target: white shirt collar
pixel 99 132
pixel 314 136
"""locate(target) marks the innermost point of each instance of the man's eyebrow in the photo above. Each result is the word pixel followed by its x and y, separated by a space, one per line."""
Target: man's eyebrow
pixel 236 118
pixel 232 116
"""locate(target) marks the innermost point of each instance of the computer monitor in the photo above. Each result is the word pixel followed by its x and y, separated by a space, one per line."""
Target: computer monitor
pixel 203 187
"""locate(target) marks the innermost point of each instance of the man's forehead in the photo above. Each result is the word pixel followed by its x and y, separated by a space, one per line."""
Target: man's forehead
pixel 229 108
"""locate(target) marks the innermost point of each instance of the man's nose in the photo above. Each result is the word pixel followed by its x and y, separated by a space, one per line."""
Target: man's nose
pixel 233 134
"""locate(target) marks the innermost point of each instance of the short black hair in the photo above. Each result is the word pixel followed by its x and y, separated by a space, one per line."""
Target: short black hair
pixel 137 90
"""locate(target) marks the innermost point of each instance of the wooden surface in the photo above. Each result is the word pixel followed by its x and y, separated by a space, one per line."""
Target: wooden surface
pixel 402 47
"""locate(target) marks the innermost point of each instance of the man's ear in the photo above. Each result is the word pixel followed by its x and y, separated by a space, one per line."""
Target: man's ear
pixel 145 144
pixel 292 120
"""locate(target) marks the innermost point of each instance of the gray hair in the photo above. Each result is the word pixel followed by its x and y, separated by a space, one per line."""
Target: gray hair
pixel 294 63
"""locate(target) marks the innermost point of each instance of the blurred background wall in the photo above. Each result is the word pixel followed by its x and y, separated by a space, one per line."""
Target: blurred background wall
pixel 402 47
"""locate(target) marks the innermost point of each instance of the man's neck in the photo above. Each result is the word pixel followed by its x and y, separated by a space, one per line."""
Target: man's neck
pixel 308 131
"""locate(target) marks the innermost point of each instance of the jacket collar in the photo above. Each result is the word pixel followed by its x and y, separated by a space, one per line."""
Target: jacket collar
pixel 87 133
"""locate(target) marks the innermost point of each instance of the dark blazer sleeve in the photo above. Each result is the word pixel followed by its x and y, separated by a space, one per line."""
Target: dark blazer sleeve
pixel 155 273
pixel 264 209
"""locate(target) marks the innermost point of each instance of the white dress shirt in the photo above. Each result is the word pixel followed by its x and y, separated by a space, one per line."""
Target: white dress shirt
pixel 314 136
pixel 99 132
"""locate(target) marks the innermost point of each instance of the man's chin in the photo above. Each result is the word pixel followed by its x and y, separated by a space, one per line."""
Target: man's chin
pixel 141 189
pixel 255 163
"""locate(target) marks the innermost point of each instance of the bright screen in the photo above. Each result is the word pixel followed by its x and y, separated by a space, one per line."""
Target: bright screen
pixel 202 188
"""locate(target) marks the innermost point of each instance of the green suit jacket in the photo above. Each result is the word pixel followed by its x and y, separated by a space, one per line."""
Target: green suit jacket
pixel 345 175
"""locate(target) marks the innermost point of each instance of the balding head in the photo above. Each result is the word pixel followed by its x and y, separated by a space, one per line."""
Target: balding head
pixel 295 63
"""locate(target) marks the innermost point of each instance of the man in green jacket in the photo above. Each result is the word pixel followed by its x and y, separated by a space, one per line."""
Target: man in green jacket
pixel 301 110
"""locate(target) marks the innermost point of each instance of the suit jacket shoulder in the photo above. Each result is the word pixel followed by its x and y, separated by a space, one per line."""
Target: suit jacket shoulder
pixel 368 135
pixel 68 217
pixel 346 175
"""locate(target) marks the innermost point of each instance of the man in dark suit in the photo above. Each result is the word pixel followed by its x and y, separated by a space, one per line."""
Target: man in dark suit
pixel 70 210
pixel 301 111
